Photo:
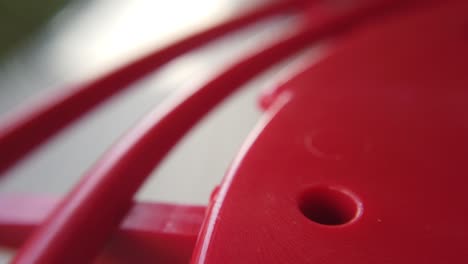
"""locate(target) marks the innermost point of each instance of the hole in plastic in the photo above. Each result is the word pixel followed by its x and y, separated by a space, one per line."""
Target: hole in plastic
pixel 329 206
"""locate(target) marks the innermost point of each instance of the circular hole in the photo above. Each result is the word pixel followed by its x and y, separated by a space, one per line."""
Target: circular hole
pixel 329 206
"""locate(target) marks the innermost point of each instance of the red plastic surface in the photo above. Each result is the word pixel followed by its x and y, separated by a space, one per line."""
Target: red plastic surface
pixel 359 159
pixel 362 158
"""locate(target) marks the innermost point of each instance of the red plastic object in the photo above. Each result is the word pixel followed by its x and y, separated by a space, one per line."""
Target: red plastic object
pixel 360 158
pixel 150 233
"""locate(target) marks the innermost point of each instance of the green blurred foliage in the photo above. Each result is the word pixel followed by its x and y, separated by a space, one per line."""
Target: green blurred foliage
pixel 19 19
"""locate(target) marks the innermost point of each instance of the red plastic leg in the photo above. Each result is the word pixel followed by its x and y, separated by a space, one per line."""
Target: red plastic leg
pixel 151 232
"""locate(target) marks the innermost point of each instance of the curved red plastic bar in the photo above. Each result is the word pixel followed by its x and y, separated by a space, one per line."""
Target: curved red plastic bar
pixel 98 203
pixel 25 131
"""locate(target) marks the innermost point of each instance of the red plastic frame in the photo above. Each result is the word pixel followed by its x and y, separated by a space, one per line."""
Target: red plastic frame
pixel 97 205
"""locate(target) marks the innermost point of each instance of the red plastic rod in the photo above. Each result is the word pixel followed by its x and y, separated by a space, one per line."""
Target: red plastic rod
pixel 24 131
pixel 150 233
pixel 98 203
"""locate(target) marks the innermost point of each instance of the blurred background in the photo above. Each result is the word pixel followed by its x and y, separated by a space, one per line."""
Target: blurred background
pixel 53 44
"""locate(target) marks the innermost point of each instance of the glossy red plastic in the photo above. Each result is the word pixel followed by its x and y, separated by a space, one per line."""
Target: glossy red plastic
pixel 360 158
